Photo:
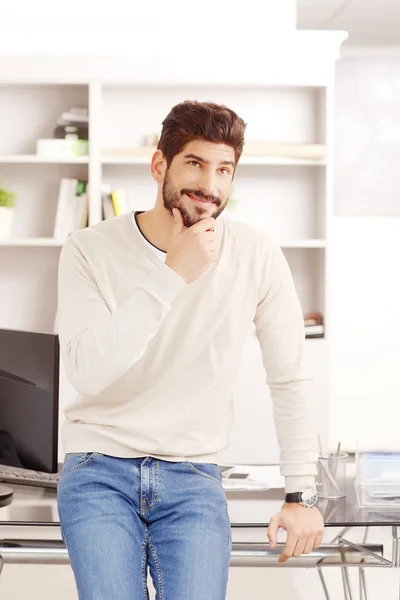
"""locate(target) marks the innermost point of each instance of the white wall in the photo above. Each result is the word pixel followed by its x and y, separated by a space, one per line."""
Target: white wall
pixel 365 348
pixel 156 28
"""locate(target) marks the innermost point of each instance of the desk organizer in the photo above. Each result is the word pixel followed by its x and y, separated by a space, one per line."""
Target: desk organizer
pixel 377 480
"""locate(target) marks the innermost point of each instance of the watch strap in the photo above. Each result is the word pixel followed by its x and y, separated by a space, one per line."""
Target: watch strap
pixel 293 497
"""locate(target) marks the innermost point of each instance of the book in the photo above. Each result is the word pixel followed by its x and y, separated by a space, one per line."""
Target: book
pixel 119 201
pixel 72 208
pixel 313 318
pixel 62 209
pixel 69 224
pixel 314 329
pixel 106 202
pixel 79 110
pixel 81 206
pixel 74 117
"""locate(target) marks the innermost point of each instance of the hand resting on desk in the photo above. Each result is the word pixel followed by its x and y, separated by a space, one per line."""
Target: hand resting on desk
pixel 304 526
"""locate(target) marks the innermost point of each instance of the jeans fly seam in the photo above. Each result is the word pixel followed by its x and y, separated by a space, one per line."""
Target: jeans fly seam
pixel 156 492
pixel 144 578
pixel 157 562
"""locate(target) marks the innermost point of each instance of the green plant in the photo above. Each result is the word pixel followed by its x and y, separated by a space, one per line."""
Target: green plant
pixel 7 198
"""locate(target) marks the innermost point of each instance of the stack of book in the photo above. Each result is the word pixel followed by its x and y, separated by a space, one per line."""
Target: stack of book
pixel 314 325
pixel 114 202
pixel 71 135
pixel 73 122
pixel 72 208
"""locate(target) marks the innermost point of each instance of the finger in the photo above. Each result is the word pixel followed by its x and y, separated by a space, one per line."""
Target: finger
pixel 178 220
pixel 272 532
pixel 299 549
pixel 309 547
pixel 288 548
pixel 318 540
pixel 207 224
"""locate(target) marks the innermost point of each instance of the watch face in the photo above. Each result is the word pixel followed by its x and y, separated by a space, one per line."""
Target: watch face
pixel 309 497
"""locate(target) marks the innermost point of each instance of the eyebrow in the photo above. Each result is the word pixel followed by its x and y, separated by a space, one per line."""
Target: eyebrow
pixel 207 162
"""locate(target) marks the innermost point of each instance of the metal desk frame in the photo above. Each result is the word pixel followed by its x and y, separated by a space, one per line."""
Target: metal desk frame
pixel 340 553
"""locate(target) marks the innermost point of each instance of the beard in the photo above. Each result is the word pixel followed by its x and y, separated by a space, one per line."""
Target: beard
pixel 172 199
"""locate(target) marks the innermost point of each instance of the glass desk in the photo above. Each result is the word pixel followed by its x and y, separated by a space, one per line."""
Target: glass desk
pixel 30 533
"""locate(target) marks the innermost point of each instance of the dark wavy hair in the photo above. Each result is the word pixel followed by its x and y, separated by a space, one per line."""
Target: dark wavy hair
pixel 191 120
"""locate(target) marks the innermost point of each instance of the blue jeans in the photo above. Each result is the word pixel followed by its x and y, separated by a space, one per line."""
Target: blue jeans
pixel 120 516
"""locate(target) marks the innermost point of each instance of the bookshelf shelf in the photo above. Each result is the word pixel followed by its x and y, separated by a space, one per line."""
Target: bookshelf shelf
pixel 281 161
pixel 14 159
pixel 32 242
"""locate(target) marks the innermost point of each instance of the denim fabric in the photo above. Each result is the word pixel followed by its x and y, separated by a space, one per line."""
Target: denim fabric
pixel 121 516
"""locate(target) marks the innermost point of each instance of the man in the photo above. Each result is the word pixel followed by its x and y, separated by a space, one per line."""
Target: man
pixel 154 309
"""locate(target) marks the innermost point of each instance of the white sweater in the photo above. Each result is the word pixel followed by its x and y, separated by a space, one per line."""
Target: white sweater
pixel 154 360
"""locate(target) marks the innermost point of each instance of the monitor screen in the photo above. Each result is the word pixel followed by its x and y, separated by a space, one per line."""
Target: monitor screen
pixel 29 380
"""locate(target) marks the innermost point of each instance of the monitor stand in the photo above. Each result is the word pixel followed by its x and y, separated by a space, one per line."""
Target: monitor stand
pixel 5 494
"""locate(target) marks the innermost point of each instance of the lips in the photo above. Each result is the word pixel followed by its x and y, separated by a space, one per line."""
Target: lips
pixel 201 200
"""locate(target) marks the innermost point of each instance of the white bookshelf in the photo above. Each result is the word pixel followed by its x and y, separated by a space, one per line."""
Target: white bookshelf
pixel 288 197
pixel 289 101
pixel 29 159
pixel 34 242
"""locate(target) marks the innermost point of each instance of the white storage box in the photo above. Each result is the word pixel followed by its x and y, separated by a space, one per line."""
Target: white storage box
pixel 62 148
pixel 377 480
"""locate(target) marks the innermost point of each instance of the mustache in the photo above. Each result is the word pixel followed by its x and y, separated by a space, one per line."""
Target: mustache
pixel 198 194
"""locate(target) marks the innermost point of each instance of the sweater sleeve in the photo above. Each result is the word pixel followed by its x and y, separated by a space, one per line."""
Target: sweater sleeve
pixel 98 346
pixel 280 330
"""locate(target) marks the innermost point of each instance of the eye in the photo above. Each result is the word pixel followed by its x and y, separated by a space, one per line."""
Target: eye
pixel 226 170
pixel 193 162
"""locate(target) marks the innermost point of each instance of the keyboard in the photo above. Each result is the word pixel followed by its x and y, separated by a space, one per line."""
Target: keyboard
pixel 17 475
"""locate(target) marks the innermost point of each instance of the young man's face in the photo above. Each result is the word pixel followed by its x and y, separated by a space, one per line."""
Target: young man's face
pixel 199 180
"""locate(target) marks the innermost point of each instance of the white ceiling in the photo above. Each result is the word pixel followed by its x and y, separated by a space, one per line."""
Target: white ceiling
pixel 369 22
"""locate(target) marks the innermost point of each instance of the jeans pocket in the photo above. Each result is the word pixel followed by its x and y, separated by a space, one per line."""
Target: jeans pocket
pixel 208 470
pixel 73 454
pixel 76 460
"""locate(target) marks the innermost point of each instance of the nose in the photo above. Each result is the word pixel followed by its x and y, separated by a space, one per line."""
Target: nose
pixel 207 183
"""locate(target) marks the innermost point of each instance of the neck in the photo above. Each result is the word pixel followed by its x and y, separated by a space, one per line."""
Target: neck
pixel 156 225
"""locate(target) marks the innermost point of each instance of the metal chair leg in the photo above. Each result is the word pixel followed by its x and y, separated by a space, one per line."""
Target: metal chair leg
pixel 345 575
pixel 363 585
pixel 345 588
pixel 363 580
pixel 322 578
pixel 395 547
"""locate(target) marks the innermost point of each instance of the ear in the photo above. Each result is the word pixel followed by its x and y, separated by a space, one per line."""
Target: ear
pixel 158 166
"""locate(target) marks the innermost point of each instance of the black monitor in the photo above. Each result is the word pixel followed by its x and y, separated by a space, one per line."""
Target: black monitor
pixel 29 379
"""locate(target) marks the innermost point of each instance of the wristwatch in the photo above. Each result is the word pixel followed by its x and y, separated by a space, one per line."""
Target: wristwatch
pixel 307 497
